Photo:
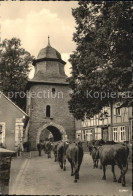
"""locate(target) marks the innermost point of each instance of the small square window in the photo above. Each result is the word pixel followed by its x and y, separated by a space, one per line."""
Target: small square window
pixel 53 90
pixel 48 111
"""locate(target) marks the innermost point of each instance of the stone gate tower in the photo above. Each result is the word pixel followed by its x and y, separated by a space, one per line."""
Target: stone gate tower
pixel 47 101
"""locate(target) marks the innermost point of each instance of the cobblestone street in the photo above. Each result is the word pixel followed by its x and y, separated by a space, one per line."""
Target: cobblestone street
pixel 40 175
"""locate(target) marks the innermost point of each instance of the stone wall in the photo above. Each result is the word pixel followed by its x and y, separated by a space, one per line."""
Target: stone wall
pixel 59 110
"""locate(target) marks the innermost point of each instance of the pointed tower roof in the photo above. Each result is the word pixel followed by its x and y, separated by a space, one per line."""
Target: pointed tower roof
pixel 48 52
pixel 49 68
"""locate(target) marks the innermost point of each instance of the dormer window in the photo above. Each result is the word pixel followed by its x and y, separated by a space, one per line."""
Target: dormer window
pixel 48 111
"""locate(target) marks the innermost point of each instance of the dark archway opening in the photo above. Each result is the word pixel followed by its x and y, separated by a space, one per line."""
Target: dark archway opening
pixel 45 134
pixel 55 132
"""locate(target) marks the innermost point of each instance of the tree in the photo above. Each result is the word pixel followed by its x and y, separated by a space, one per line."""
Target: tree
pixel 14 68
pixel 101 62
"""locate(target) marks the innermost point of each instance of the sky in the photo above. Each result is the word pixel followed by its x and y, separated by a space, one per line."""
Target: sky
pixel 33 21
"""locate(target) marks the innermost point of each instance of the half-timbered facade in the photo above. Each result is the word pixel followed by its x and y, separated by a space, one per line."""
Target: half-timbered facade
pixel 107 125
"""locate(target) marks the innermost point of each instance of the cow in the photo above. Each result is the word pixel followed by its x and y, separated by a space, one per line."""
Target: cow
pixel 99 142
pixel 116 154
pixel 93 143
pixel 130 151
pixel 48 148
pixel 74 154
pixel 94 153
pixel 90 145
pixel 111 142
pixel 40 147
pixel 61 154
pixel 54 148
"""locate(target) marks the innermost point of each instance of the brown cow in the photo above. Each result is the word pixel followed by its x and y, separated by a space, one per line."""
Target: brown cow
pixel 40 147
pixel 54 148
pixel 48 148
pixel 93 143
pixel 94 153
pixel 110 142
pixel 61 154
pixel 90 145
pixel 74 155
pixel 99 142
pixel 116 154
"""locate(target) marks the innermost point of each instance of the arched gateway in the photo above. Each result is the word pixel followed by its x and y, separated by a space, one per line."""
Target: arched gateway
pixel 57 130
pixel 47 105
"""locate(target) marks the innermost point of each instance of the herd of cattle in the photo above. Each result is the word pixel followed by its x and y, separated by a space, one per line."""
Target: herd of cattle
pixel 107 153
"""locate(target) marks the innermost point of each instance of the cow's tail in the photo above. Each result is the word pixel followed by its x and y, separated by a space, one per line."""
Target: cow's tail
pixel 98 153
pixel 38 146
pixel 125 160
pixel 64 156
pixel 127 151
pixel 125 168
pixel 75 161
pixel 76 155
